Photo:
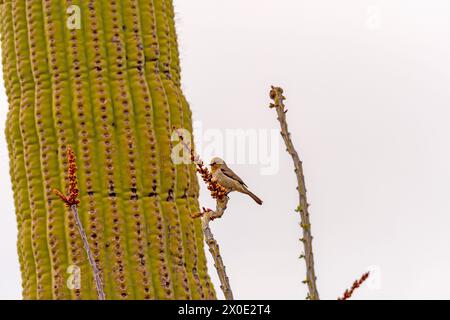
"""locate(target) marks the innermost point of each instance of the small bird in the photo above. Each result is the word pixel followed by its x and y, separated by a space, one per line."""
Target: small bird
pixel 230 180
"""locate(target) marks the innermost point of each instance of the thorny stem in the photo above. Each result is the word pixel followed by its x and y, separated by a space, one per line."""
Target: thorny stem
pixel 95 270
pixel 276 94
pixel 72 202
pixel 207 215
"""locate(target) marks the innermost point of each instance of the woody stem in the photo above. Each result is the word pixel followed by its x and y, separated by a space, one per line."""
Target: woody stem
pixel 277 96
pixel 214 247
pixel 93 264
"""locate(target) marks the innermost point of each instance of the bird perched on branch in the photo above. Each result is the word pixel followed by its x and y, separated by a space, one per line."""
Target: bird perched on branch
pixel 230 180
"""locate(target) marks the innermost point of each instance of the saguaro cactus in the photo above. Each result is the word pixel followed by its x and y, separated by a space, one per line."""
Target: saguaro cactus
pixel 103 77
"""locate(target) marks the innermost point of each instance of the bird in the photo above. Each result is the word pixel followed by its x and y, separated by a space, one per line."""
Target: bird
pixel 223 175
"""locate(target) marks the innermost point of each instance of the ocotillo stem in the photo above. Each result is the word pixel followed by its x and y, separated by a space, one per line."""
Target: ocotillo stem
pixel 95 270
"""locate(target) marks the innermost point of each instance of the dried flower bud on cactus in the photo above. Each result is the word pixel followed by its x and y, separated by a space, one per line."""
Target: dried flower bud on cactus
pixel 72 198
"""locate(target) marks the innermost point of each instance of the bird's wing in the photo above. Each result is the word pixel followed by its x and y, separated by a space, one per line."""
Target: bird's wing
pixel 230 174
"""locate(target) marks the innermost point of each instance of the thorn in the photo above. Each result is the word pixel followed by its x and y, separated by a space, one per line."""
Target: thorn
pixel 305 226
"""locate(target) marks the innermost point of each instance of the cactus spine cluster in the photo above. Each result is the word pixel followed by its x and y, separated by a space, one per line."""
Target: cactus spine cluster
pixel 103 77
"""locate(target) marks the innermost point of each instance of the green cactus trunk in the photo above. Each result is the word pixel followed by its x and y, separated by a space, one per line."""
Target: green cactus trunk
pixel 111 90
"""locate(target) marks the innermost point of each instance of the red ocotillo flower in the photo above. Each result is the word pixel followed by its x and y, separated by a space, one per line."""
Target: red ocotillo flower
pixel 72 198
pixel 218 192
pixel 349 292
pixel 72 202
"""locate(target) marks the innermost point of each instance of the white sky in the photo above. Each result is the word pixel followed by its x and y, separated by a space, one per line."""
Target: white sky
pixel 367 84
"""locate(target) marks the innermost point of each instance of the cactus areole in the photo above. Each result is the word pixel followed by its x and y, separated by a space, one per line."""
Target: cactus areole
pixel 103 77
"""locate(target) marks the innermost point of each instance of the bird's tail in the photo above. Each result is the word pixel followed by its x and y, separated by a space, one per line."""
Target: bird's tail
pixel 254 197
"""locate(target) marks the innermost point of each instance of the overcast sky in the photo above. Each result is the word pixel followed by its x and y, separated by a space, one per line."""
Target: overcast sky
pixel 367 86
